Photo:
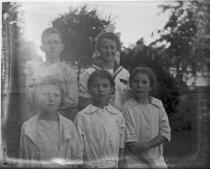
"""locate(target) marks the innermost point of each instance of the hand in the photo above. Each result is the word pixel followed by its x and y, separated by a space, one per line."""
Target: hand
pixel 137 146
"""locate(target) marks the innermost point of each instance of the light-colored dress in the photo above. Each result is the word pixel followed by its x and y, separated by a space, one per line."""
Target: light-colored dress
pixel 102 132
pixel 42 141
pixel 121 79
pixel 143 123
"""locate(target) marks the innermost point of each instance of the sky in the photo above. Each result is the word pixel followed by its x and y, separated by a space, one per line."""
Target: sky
pixel 133 19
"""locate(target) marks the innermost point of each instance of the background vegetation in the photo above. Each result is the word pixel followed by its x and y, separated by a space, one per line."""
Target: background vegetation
pixel 183 45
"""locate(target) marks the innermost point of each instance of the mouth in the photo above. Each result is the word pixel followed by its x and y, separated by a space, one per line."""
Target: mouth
pixel 51 105
pixel 101 96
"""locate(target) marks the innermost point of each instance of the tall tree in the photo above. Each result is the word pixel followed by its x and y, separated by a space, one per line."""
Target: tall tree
pixel 187 36
pixel 80 26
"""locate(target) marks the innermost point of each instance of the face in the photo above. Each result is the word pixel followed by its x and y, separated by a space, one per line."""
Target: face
pixel 47 98
pixel 141 86
pixel 107 49
pixel 52 45
pixel 100 89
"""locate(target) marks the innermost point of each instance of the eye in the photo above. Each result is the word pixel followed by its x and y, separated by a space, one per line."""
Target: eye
pixel 106 85
pixel 144 82
pixel 45 94
pixel 135 81
pixel 57 95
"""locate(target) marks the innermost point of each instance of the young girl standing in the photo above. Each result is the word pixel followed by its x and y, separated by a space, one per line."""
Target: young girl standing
pixel 100 126
pixel 48 135
pixel 147 124
pixel 107 50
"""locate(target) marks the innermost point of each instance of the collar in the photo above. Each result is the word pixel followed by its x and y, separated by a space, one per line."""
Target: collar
pixel 91 109
pixel 31 129
pixel 156 102
pixel 117 68
pixel 153 101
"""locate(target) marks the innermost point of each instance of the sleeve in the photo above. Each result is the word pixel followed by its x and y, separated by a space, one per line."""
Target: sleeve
pixel 130 134
pixel 122 133
pixel 22 147
pixel 76 147
pixel 79 128
pixel 71 97
pixel 165 129
pixel 83 90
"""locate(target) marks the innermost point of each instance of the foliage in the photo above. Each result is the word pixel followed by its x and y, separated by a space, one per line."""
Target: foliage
pixel 167 88
pixel 187 36
pixel 80 27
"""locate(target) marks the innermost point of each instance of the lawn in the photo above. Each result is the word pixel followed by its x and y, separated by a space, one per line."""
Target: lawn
pixel 189 141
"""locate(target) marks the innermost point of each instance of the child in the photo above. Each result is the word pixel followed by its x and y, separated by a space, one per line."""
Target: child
pixel 147 125
pixel 48 136
pixel 107 47
pixel 100 126
pixel 52 46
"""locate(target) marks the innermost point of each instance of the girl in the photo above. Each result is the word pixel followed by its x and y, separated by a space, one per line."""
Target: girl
pixel 48 136
pixel 107 49
pixel 100 126
pixel 147 124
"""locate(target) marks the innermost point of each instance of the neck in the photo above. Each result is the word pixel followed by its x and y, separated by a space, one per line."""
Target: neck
pixel 50 116
pixel 50 61
pixel 101 105
pixel 143 100
pixel 108 65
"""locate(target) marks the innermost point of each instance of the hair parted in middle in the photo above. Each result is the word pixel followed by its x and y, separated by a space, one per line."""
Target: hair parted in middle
pixel 108 35
pixel 147 71
pixel 101 74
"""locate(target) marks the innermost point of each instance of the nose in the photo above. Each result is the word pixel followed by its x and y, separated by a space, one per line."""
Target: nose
pixel 51 98
pixel 52 44
pixel 100 88
pixel 109 50
pixel 139 85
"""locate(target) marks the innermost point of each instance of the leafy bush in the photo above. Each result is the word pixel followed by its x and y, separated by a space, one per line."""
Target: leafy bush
pixel 168 90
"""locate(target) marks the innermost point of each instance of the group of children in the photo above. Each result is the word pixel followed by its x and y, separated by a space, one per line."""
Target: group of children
pixel 113 129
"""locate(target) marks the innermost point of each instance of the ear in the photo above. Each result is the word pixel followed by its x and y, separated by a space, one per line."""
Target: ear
pixel 112 90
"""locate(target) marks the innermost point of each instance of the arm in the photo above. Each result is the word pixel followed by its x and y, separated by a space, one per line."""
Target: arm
pixel 79 130
pixel 121 162
pixel 76 148
pixel 163 136
pixel 84 97
pixel 71 97
pixel 147 145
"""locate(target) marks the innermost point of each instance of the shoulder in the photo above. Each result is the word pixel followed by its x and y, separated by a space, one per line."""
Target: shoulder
pixel 156 102
pixel 88 71
pixel 30 122
pixel 122 73
pixel 66 67
pixel 87 110
pixel 115 112
pixel 64 121
pixel 129 104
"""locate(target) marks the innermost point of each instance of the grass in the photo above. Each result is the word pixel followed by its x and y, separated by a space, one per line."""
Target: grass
pixel 189 144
